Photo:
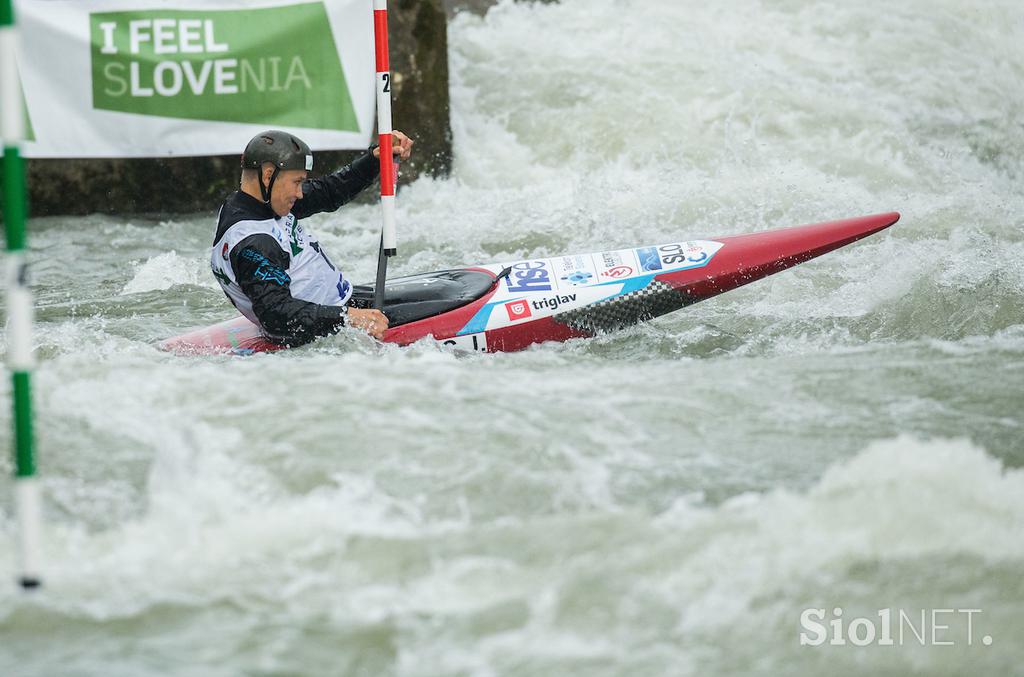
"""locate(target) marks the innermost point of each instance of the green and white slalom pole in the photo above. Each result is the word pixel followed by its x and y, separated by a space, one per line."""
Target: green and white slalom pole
pixel 19 304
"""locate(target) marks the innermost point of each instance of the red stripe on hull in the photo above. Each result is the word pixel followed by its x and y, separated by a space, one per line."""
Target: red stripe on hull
pixel 746 258
pixel 520 336
pixel 232 336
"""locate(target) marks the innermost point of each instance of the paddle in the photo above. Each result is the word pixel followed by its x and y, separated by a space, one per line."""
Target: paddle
pixel 388 167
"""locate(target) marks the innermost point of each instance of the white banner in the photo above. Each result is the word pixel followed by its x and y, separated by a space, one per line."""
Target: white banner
pixel 150 78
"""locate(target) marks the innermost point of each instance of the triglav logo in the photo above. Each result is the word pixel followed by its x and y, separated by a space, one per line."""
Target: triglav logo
pixel 517 310
pixel 889 627
pixel 273 66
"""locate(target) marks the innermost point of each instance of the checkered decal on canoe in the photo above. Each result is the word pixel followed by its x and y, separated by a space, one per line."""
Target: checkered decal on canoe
pixel 657 298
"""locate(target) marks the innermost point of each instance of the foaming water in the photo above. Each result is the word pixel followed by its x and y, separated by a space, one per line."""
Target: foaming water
pixel 665 500
pixel 613 591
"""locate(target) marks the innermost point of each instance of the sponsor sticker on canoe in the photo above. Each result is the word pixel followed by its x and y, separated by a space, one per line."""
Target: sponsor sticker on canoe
pixel 553 303
pixel 649 258
pixel 615 265
pixel 529 276
pixel 574 271
pixel 677 255
pixel 518 310
pixel 505 312
pixel 618 272
pixel 567 274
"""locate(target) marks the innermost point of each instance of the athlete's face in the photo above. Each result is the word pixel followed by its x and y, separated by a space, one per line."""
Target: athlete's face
pixel 287 189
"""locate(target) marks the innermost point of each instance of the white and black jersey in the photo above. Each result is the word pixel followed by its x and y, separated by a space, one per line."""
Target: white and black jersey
pixel 274 270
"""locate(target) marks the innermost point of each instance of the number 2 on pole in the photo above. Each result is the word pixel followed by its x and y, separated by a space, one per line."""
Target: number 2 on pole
pixel 386 77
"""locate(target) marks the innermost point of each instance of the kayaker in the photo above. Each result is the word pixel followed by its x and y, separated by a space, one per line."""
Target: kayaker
pixel 271 267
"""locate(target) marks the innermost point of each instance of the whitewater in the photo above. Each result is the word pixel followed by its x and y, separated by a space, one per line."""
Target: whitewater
pixel 667 500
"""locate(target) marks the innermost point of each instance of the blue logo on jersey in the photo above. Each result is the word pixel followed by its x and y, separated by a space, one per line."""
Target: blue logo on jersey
pixel 265 270
pixel 529 276
pixel 343 287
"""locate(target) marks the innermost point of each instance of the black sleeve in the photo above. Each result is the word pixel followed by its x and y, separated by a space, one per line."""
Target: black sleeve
pixel 260 269
pixel 330 192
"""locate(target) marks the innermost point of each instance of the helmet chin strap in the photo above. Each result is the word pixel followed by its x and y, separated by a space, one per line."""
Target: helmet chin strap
pixel 265 191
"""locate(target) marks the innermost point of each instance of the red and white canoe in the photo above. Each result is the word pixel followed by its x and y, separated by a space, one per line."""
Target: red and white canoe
pixel 509 306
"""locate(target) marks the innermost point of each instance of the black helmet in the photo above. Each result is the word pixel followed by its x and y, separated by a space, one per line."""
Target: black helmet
pixel 282 150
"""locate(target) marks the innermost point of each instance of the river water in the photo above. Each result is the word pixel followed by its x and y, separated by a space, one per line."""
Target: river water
pixel 846 436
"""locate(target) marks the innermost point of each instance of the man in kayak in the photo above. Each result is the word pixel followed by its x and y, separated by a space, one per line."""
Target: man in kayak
pixel 272 268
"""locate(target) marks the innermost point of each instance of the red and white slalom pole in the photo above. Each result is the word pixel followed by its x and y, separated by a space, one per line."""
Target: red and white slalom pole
pixel 388 169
